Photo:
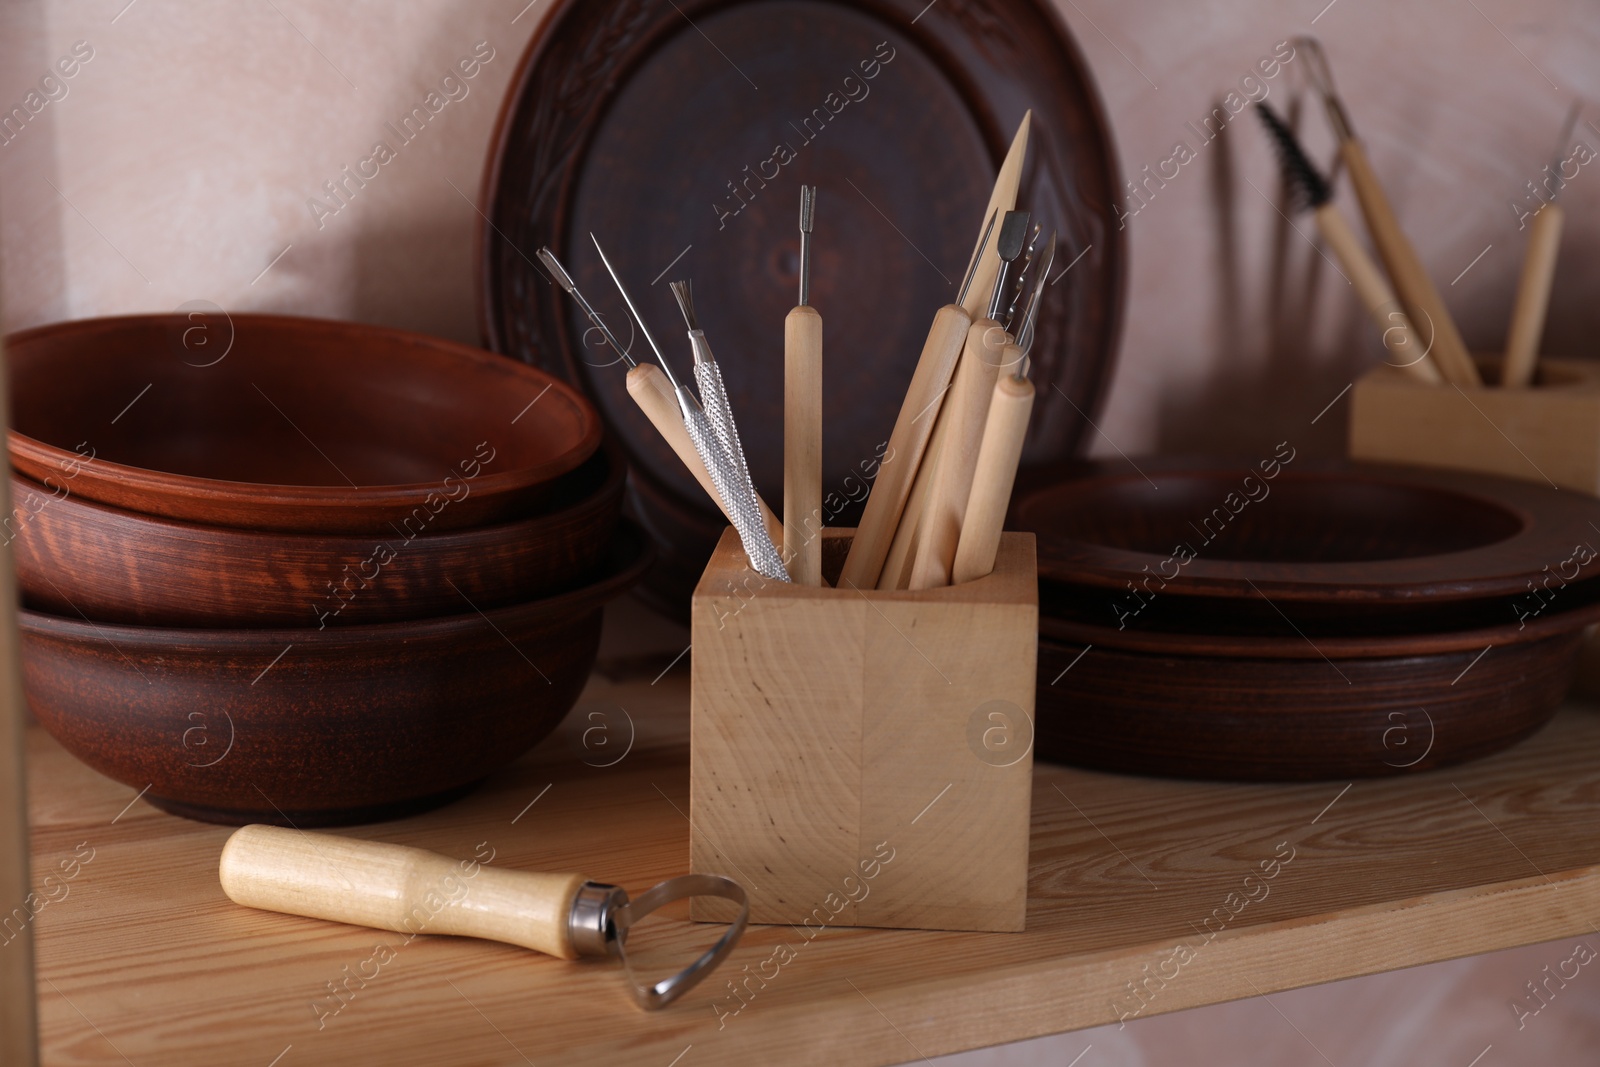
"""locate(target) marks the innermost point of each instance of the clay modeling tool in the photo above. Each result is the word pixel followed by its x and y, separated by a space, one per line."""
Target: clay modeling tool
pixel 411 891
pixel 1000 451
pixel 759 546
pixel 1310 189
pixel 1538 272
pixel 919 413
pixel 655 395
pixel 966 408
pixel 802 418
pixel 1003 198
pixel 1421 300
pixel 740 507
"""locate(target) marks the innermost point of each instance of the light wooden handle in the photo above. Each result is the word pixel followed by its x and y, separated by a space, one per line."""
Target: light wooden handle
pixel 1533 297
pixel 1422 301
pixel 918 413
pixel 998 457
pixel 392 887
pixel 651 390
pixel 1376 296
pixel 802 445
pixel 987 347
pixel 903 551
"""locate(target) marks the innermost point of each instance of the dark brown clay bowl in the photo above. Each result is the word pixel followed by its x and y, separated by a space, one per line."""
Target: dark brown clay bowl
pixel 1265 709
pixel 1343 536
pixel 276 423
pixel 76 559
pixel 318 728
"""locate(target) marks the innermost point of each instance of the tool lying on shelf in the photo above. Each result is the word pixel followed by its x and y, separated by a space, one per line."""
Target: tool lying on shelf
pixel 1538 271
pixel 1309 189
pixel 1421 299
pixel 412 891
pixel 802 418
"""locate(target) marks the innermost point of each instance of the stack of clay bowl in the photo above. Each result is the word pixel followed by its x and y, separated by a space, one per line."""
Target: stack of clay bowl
pixel 294 570
pixel 1290 620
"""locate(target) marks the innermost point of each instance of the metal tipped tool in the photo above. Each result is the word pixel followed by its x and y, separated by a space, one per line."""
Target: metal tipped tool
pixel 563 279
pixel 1013 235
pixel 718 417
pixel 808 218
pixel 686 399
pixel 1030 312
pixel 1020 286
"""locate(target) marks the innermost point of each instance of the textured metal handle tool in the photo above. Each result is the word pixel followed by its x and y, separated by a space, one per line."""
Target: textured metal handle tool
pixel 740 506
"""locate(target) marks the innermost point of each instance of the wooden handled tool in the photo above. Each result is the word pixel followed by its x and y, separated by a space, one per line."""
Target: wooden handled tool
pixel 802 419
pixel 966 409
pixel 1421 300
pixel 1309 188
pixel 410 891
pixel 881 529
pixel 920 413
pixel 896 572
pixel 1533 297
pixel 998 457
pixel 658 397
pixel 1538 272
pixel 654 395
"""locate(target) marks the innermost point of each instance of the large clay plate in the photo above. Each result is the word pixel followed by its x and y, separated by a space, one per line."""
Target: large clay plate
pixel 1313 533
pixel 1210 705
pixel 633 119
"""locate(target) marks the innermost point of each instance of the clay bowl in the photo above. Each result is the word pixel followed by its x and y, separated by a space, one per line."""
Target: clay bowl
pixel 1337 548
pixel 78 559
pixel 300 425
pixel 318 727
pixel 1285 708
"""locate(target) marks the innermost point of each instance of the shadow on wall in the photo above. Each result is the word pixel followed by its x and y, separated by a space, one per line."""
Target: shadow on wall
pixel 1272 377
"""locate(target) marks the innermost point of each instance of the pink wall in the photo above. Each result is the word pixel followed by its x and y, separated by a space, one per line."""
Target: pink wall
pixel 178 164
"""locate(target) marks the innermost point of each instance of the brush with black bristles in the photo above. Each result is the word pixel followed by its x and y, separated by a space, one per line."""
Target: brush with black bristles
pixel 1309 190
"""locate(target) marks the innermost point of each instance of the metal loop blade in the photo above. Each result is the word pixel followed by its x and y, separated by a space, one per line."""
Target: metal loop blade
pixel 660 994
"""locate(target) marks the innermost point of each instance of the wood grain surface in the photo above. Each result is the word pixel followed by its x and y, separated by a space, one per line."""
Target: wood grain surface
pixel 147 959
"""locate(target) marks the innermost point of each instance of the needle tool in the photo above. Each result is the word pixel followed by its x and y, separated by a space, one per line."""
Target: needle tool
pixel 802 418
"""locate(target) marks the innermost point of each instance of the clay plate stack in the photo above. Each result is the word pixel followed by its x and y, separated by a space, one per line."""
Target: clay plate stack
pixel 303 571
pixel 1292 620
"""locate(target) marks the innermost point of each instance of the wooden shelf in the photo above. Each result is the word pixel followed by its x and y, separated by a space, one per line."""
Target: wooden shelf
pixel 145 961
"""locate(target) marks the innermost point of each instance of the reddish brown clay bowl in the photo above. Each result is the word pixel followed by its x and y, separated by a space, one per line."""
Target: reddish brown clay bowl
pixel 1254 708
pixel 318 728
pixel 276 423
pixel 82 560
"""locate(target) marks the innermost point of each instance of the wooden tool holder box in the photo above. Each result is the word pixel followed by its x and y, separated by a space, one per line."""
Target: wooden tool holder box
pixel 864 758
pixel 1550 430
